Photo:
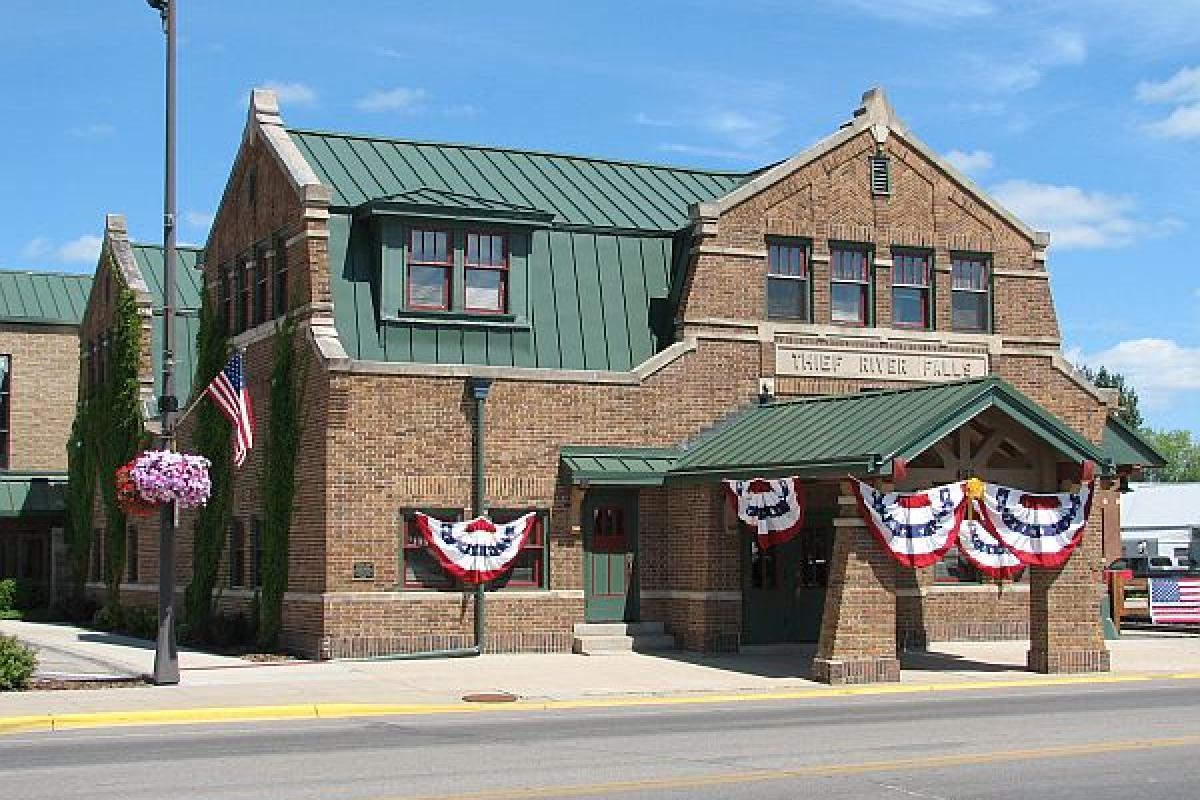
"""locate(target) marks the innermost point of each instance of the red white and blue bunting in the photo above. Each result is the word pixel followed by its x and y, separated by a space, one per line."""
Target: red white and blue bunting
pixel 774 509
pixel 989 555
pixel 478 550
pixel 1040 529
pixel 917 528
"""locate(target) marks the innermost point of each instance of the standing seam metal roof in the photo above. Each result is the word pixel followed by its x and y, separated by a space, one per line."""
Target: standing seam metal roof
pixel 863 432
pixel 577 190
pixel 56 298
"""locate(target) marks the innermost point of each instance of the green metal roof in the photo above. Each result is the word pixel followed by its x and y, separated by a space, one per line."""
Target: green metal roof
pixel 862 433
pixel 24 494
pixel 582 191
pixel 591 297
pixel 188 283
pixel 1126 447
pixel 617 466
pixel 47 298
pixel 188 279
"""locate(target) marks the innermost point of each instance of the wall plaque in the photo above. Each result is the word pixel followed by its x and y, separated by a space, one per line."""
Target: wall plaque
pixel 364 570
pixel 877 364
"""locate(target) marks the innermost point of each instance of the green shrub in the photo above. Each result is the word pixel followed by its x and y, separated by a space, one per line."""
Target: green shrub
pixel 17 663
pixel 106 619
pixel 8 594
pixel 29 596
pixel 142 622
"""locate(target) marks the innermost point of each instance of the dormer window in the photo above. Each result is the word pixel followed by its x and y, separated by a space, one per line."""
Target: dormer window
pixel 430 263
pixel 485 278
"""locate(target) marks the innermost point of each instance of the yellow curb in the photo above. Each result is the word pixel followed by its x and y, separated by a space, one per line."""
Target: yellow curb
pixel 26 724
pixel 100 719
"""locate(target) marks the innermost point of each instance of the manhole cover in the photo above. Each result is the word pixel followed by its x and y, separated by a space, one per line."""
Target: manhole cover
pixel 489 697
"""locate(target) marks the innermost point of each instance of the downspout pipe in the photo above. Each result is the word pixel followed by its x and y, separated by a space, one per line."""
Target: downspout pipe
pixel 479 388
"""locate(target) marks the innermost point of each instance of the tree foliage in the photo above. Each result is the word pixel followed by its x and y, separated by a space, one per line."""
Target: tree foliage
pixel 279 483
pixel 1126 394
pixel 211 439
pixel 117 429
pixel 81 491
pixel 1182 452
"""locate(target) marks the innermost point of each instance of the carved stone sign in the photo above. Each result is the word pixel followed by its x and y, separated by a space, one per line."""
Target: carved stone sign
pixel 816 361
pixel 364 570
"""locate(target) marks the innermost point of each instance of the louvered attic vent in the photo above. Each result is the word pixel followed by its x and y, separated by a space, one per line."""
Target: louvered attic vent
pixel 881 176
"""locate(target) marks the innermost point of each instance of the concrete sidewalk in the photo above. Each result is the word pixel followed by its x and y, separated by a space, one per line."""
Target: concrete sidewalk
pixel 218 682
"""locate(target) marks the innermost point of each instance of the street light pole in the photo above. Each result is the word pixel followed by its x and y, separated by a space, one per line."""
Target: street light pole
pixel 166 653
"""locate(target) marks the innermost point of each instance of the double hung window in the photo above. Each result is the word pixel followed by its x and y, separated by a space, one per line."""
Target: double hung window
pixel 485 273
pixel 5 393
pixel 970 307
pixel 850 290
pixel 910 290
pixel 279 290
pixel 430 263
pixel 788 281
pixel 422 570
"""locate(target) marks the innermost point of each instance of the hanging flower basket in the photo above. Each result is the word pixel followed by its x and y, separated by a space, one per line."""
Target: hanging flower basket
pixel 163 476
pixel 128 497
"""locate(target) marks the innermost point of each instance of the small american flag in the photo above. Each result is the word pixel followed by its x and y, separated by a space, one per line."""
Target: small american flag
pixel 1174 600
pixel 228 391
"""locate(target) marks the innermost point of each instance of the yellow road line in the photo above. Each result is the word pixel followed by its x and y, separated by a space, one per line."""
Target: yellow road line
pixel 54 722
pixel 815 771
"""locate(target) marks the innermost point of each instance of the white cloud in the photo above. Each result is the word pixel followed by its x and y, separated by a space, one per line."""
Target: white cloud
pixel 1077 218
pixel 92 131
pixel 1182 87
pixel 740 135
pixel 972 163
pixel 1181 90
pixel 198 219
pixel 1060 48
pixel 293 94
pixel 401 99
pixel 38 247
pixel 86 249
pixel 928 12
pixel 1159 369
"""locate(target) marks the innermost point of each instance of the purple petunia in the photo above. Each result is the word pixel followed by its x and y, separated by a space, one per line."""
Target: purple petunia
pixel 163 475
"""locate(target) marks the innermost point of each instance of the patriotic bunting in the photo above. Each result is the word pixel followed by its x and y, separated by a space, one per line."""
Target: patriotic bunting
pixel 478 550
pixel 989 555
pixel 916 528
pixel 773 508
pixel 1040 529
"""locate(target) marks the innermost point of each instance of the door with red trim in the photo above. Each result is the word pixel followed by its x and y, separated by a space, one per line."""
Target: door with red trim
pixel 610 584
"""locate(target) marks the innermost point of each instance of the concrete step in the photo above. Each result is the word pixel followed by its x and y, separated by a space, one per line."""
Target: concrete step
pixel 607 638
pixel 618 628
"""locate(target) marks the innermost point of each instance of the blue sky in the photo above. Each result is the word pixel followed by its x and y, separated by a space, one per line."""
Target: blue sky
pixel 1082 118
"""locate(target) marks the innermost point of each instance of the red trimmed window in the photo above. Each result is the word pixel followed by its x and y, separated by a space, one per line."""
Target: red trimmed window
pixel 485 275
pixel 229 282
pixel 970 306
pixel 5 392
pixel 529 568
pixel 430 262
pixel 421 568
pixel 279 291
pixel 787 281
pixel 849 289
pixel 263 263
pixel 910 290
pixel 247 310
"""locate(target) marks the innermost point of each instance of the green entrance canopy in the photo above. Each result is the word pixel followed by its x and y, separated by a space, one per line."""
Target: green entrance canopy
pixel 1126 447
pixel 32 494
pixel 862 433
pixel 617 466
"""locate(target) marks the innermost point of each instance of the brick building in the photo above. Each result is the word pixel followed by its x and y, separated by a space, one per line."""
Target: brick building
pixel 139 268
pixel 39 369
pixel 616 327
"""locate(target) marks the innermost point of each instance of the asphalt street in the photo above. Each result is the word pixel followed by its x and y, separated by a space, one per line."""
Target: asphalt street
pixel 1093 741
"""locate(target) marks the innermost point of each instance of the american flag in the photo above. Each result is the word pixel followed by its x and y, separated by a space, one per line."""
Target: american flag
pixel 1174 600
pixel 228 391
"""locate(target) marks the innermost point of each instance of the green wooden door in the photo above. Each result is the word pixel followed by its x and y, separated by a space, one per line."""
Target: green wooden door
pixel 783 587
pixel 610 585
pixel 768 592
